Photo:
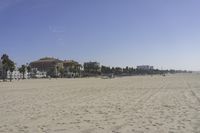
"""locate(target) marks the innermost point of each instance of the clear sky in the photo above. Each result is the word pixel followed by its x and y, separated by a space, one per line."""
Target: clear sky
pixel 163 33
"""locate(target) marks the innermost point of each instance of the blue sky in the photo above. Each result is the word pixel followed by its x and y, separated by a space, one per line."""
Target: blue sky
pixel 163 33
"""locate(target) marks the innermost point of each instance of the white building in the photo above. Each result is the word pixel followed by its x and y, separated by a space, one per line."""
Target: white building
pixel 145 67
pixel 17 75
pixel 13 75
pixel 40 74
pixel 37 74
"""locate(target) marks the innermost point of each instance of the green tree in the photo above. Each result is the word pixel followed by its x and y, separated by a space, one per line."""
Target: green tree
pixel 118 70
pixel 8 65
pixel 22 70
pixel 126 70
pixel 12 68
pixel 28 70
pixel 105 70
pixel 92 68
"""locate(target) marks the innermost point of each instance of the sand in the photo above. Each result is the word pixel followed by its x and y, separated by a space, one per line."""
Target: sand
pixel 140 104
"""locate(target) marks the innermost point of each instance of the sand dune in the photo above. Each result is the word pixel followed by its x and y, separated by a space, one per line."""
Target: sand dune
pixel 140 104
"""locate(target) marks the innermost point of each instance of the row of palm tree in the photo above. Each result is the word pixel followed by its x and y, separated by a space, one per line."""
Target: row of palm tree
pixel 132 71
pixel 9 65
pixel 23 69
pixel 91 68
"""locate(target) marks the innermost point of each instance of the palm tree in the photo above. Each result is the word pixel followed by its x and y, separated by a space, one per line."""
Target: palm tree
pixel 22 70
pixel 28 70
pixel 4 59
pixel 7 65
pixel 57 69
pixel 11 71
pixel 105 70
pixel 92 68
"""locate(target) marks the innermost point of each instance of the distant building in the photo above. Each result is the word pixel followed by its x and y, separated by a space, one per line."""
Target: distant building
pixel 92 68
pixel 15 75
pixel 71 68
pixel 37 74
pixel 145 67
pixel 49 65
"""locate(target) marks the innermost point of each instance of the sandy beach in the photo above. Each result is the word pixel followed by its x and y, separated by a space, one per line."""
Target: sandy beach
pixel 139 104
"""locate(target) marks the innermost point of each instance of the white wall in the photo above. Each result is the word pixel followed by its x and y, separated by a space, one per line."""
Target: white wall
pixel 17 75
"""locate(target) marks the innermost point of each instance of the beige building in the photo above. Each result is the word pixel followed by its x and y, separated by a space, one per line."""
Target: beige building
pixel 71 68
pixel 49 65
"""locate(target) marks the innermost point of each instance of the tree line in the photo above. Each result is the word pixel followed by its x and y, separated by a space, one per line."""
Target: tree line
pixel 9 65
pixel 128 71
pixel 90 69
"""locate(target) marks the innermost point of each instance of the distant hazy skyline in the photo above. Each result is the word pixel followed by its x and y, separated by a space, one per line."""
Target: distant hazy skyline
pixel 162 33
